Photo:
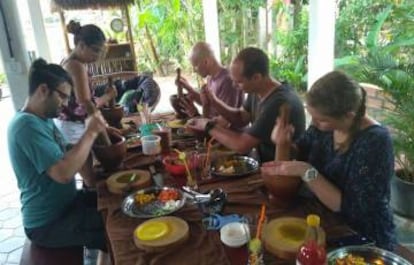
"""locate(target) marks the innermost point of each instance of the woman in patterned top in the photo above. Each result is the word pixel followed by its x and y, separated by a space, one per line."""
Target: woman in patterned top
pixel 345 157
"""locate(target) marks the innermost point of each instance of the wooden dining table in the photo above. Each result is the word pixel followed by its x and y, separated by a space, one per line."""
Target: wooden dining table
pixel 245 195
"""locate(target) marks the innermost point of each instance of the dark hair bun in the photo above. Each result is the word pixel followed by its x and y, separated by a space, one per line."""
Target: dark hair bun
pixel 73 27
pixel 39 64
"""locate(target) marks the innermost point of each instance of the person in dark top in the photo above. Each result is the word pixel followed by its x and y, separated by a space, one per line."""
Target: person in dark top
pixel 345 157
pixel 250 70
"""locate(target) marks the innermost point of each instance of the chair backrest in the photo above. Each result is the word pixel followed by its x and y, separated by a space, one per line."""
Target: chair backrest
pixel 151 89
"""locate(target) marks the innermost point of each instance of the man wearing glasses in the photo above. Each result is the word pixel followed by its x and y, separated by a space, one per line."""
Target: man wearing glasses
pixel 55 214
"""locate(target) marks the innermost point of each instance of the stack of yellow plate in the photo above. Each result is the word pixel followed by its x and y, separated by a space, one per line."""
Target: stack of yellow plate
pixel 128 179
pixel 158 233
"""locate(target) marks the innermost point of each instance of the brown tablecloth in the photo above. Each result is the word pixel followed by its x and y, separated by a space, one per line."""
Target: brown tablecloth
pixel 205 247
pixel 245 196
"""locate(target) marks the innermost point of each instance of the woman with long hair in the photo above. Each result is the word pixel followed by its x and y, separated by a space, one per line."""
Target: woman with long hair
pixel 345 157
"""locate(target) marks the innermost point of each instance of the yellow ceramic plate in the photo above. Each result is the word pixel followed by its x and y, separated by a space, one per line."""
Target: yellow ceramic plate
pixel 153 235
pixel 175 124
pixel 152 230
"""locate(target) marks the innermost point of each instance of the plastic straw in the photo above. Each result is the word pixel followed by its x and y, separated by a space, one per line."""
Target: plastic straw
pixel 182 156
pixel 207 160
pixel 261 221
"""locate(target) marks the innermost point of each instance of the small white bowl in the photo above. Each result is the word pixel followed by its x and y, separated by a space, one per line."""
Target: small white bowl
pixel 235 234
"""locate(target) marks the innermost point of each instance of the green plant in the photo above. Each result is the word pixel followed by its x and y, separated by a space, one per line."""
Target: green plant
pixel 2 78
pixel 386 60
pixel 397 80
pixel 290 62
pixel 165 30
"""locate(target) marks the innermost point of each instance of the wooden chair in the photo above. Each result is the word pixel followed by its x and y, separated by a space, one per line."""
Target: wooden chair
pixel 103 79
pixel 35 255
pixel 99 80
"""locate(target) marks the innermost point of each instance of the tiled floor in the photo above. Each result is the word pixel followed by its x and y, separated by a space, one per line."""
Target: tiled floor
pixel 11 231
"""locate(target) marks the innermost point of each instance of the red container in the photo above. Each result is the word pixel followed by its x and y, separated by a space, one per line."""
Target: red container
pixel 174 166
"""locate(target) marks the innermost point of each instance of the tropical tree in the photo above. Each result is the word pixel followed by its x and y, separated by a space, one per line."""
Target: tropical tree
pixel 165 30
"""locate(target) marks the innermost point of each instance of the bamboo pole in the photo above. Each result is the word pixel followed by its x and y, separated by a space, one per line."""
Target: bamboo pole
pixel 130 38
pixel 65 32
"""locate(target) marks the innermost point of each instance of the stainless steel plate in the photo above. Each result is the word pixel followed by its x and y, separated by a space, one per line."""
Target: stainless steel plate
pixel 233 166
pixel 371 255
pixel 153 208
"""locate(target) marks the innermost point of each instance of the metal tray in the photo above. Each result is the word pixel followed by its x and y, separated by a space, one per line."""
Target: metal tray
pixel 233 166
pixel 371 255
pixel 153 208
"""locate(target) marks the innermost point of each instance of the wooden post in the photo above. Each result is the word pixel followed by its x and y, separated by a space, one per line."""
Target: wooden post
pixel 130 38
pixel 65 32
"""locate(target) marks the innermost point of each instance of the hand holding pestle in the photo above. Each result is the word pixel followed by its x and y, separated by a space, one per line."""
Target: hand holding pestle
pixel 103 137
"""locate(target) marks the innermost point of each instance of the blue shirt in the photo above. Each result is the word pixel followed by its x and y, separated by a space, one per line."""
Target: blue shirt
pixel 362 173
pixel 35 144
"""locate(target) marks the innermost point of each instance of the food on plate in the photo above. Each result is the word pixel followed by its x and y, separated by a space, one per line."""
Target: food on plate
pixel 232 166
pixel 133 141
pixel 167 195
pixel 157 202
pixel 351 259
pixel 142 198
pixel 226 170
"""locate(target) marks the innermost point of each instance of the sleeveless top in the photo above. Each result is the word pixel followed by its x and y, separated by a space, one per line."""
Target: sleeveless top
pixel 75 111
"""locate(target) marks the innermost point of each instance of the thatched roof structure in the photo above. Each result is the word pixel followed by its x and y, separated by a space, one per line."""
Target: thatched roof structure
pixel 88 4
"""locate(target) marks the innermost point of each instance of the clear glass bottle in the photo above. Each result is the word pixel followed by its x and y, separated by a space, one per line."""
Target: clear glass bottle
pixel 312 252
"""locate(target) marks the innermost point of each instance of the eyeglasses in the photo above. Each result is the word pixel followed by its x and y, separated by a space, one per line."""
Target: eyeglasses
pixel 62 96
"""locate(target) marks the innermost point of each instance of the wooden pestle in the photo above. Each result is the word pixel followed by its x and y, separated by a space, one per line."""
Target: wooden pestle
pixel 179 88
pixel 112 102
pixel 283 152
pixel 103 137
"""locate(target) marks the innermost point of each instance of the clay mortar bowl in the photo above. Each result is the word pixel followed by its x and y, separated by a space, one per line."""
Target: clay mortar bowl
pixel 283 189
pixel 113 115
pixel 111 156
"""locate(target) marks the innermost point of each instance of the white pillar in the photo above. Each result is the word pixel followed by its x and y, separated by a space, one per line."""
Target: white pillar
pixel 321 38
pixel 15 58
pixel 262 27
pixel 36 17
pixel 269 28
pixel 211 28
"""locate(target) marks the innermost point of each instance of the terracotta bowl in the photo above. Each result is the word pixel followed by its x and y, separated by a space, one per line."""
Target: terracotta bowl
pixel 111 156
pixel 282 188
pixel 180 114
pixel 113 115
